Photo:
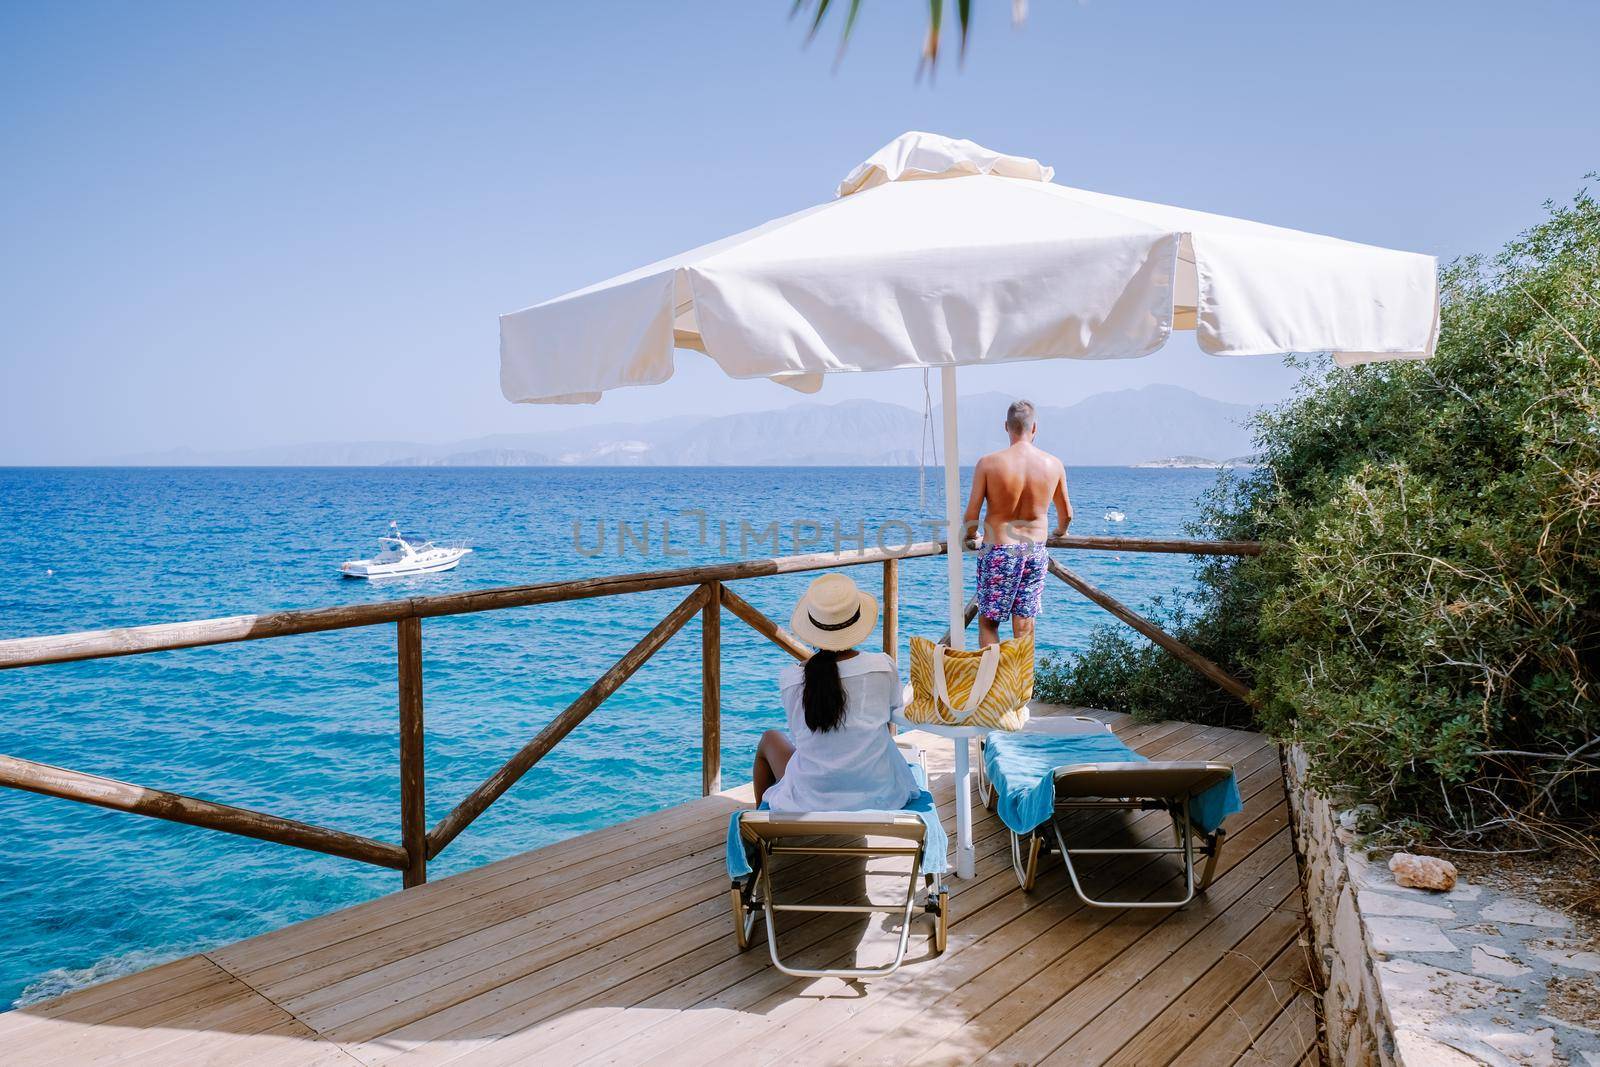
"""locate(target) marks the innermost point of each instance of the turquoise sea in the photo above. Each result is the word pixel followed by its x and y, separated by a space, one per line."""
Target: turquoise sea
pixel 305 726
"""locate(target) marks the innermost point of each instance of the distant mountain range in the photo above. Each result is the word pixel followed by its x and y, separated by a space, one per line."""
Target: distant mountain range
pixel 1121 428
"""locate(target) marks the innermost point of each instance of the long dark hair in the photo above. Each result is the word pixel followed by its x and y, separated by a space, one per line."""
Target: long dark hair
pixel 822 695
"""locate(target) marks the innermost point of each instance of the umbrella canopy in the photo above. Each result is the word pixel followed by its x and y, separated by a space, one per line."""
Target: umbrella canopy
pixel 938 252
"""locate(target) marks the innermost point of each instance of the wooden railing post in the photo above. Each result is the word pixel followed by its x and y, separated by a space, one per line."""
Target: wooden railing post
pixel 711 691
pixel 110 793
pixel 413 806
pixel 510 772
pixel 763 625
pixel 891 607
pixel 710 594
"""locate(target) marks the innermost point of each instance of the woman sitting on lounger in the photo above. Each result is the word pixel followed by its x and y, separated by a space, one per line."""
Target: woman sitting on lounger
pixel 838 753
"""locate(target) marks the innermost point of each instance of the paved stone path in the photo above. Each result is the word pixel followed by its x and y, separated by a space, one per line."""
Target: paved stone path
pixel 1466 975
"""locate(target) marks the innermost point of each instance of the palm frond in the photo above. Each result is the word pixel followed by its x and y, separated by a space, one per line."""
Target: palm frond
pixel 930 48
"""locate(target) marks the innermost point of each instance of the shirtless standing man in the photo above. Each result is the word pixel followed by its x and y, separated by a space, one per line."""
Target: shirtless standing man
pixel 1015 487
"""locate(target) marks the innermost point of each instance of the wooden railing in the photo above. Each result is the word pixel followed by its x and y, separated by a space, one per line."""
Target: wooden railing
pixel 709 595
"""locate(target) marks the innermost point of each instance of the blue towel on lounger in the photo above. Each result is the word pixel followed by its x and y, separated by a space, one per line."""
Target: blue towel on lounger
pixel 1022 768
pixel 935 845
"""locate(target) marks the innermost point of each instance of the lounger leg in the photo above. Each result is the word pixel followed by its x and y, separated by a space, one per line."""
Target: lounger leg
pixel 1213 850
pixel 938 906
pixel 744 914
pixel 905 916
pixel 1187 851
pixel 904 909
pixel 986 793
pixel 1027 873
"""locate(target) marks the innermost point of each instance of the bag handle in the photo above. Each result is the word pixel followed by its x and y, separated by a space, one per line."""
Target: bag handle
pixel 988 667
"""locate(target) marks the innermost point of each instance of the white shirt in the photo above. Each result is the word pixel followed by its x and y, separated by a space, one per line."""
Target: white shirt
pixel 855 766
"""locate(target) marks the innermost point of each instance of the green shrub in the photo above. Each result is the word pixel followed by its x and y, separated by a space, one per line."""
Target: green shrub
pixel 1120 671
pixel 1425 618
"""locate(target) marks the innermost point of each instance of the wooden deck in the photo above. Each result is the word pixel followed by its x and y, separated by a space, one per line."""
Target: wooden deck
pixel 617 947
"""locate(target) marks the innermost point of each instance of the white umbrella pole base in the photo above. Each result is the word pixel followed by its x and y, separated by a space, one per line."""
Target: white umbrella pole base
pixel 962 854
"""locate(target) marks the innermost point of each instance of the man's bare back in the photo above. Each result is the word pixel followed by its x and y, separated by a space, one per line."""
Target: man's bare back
pixel 1015 488
pixel 1012 491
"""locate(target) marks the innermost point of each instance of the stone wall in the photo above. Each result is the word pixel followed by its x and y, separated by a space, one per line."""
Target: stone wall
pixel 1356 1029
pixel 1414 978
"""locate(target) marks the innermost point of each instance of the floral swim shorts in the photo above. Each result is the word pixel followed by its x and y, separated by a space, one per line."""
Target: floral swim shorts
pixel 1011 581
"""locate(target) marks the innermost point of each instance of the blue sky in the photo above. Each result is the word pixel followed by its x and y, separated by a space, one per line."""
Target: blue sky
pixel 230 225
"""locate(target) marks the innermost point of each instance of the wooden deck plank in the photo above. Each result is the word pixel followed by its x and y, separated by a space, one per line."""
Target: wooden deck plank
pixel 1238 932
pixel 106 1001
pixel 830 1030
pixel 778 997
pixel 1290 1038
pixel 571 925
pixel 1131 950
pixel 721 971
pixel 993 861
pixel 1207 993
pixel 1009 959
pixel 518 1015
pixel 616 947
pixel 332 937
pixel 995 865
pixel 220 1020
pixel 960 1043
pixel 705 907
pixel 1246 1015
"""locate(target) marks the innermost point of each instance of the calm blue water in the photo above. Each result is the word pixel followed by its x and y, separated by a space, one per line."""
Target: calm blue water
pixel 305 726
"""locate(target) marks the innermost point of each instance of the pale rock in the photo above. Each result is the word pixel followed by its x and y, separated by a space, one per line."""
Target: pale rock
pixel 1480 929
pixel 1373 903
pixel 1569 954
pixel 1422 872
pixel 1417 1048
pixel 1569 1025
pixel 1537 1049
pixel 1521 913
pixel 1347 933
pixel 1419 994
pixel 1407 935
pixel 1486 959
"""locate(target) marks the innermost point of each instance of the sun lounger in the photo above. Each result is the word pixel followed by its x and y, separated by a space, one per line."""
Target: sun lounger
pixel 756 837
pixel 1055 726
pixel 1038 780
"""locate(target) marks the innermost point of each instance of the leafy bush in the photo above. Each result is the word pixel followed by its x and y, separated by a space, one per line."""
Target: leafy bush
pixel 1119 671
pixel 1425 618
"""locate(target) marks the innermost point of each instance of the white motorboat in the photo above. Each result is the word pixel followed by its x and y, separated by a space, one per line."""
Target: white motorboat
pixel 1114 515
pixel 400 555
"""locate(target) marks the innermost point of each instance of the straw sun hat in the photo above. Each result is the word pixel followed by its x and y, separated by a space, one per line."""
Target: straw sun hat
pixel 834 614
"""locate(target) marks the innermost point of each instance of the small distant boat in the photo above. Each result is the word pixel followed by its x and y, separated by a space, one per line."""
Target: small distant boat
pixel 400 555
pixel 1114 515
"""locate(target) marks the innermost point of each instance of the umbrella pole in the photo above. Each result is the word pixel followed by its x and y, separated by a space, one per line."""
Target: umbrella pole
pixel 953 512
pixel 955 538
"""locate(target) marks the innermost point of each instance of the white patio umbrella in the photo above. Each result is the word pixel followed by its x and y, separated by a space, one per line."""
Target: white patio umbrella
pixel 940 253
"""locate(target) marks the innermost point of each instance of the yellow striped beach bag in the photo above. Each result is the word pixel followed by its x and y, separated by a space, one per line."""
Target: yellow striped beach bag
pixel 989 687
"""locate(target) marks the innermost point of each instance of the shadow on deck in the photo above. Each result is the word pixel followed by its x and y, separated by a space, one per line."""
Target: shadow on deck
pixel 617 947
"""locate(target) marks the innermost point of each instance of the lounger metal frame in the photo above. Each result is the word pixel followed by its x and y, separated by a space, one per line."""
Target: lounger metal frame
pixel 1177 807
pixel 753 897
